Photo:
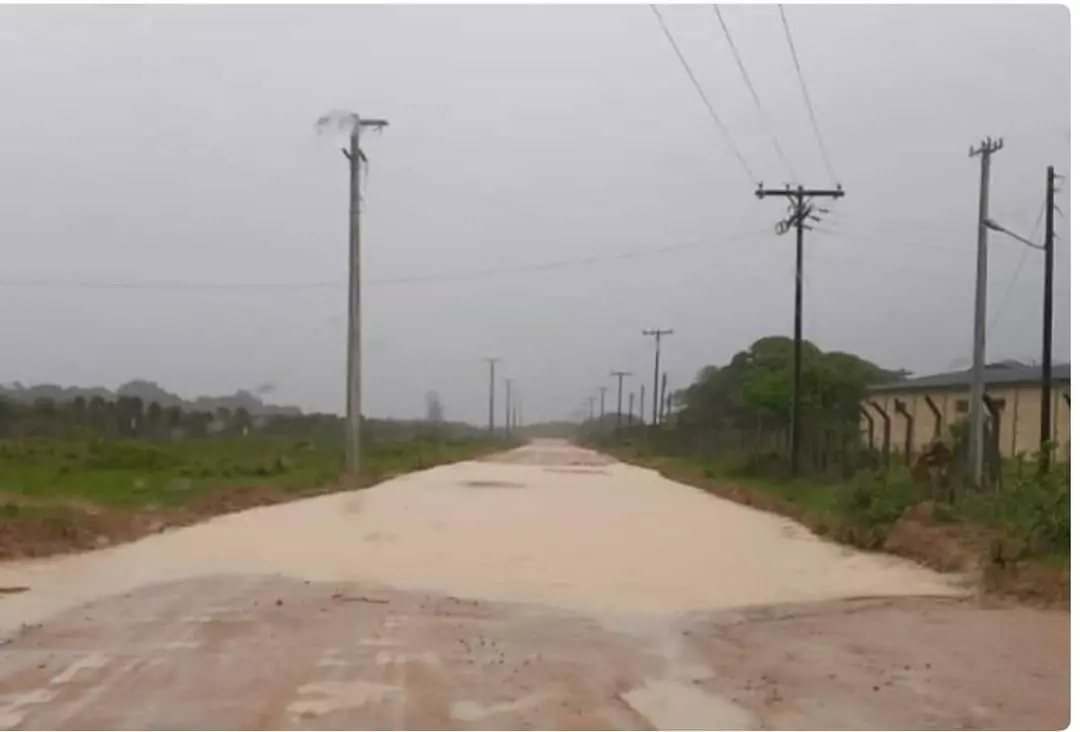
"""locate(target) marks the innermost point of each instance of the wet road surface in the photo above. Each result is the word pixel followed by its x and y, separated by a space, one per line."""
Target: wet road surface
pixel 549 587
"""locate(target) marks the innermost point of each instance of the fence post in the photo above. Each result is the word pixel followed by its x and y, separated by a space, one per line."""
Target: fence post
pixel 901 409
pixel 887 436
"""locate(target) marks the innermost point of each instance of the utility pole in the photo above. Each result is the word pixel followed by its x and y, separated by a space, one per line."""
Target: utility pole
pixel 509 387
pixel 975 403
pixel 603 395
pixel 592 405
pixel 658 334
pixel 641 406
pixel 801 207
pixel 630 409
pixel 1048 320
pixel 491 395
pixel 663 392
pixel 620 375
pixel 357 160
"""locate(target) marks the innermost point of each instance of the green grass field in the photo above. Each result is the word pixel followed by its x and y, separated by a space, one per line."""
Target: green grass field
pixel 140 473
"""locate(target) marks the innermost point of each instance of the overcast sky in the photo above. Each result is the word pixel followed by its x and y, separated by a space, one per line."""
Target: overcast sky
pixel 141 145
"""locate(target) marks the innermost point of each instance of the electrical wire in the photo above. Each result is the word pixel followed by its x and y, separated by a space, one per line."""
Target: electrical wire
pixel 705 99
pixel 1015 275
pixel 806 96
pixel 753 93
pixel 177 285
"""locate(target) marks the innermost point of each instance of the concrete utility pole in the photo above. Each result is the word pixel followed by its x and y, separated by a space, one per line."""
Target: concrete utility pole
pixel 641 405
pixel 658 334
pixel 620 375
pixel 357 160
pixel 630 409
pixel 801 208
pixel 978 356
pixel 491 394
pixel 603 395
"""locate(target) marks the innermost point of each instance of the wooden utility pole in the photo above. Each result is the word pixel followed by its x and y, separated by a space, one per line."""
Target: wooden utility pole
pixel 663 393
pixel 491 394
pixel 620 375
pixel 1046 413
pixel 800 208
pixel 978 356
pixel 658 334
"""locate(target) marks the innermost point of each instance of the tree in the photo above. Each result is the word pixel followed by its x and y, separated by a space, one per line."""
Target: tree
pixel 155 420
pixel 754 390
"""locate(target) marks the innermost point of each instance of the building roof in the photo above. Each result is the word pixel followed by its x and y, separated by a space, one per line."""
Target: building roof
pixel 992 374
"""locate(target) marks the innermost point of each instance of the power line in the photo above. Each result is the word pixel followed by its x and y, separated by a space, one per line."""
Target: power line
pixel 701 93
pixel 806 96
pixel 178 285
pixel 753 93
pixel 1015 274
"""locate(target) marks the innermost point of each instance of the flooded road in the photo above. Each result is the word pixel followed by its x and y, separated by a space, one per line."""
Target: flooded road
pixel 548 587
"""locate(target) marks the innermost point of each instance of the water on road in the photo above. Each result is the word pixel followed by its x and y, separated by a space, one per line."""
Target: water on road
pixel 549 586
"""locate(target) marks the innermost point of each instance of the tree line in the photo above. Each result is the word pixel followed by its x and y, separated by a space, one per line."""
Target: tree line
pixel 127 417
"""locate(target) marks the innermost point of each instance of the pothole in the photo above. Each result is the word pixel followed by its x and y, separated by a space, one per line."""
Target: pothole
pixel 491 484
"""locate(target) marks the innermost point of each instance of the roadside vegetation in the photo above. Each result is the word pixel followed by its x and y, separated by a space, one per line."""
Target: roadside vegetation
pixel 70 479
pixel 727 437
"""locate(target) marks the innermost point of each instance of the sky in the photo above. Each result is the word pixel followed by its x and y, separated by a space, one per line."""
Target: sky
pixel 550 184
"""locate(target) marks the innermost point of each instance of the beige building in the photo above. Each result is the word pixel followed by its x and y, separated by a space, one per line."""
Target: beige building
pixel 934 402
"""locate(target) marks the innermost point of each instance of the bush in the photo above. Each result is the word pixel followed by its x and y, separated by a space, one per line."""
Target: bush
pixel 875 498
pixel 767 466
pixel 1037 512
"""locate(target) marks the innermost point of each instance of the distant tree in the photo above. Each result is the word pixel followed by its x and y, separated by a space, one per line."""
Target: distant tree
pixel 79 410
pixel 174 418
pixel 241 421
pixel 754 390
pixel 97 415
pixel 154 425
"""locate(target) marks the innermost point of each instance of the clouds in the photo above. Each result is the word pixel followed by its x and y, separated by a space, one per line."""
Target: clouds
pixel 178 143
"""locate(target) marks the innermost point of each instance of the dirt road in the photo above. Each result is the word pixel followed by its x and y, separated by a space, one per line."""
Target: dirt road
pixel 545 588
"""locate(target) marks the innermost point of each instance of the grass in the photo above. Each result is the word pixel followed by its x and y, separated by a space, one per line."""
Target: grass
pixel 57 495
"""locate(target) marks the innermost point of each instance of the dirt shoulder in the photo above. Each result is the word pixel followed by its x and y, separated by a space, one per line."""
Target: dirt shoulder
pixel 911 663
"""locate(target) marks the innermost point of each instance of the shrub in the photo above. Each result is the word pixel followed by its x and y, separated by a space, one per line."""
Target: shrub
pixel 1037 512
pixel 875 498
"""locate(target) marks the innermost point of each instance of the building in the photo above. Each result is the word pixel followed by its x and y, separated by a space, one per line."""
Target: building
pixel 932 403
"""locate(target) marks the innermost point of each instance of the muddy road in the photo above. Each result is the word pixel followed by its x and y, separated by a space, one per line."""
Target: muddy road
pixel 545 588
